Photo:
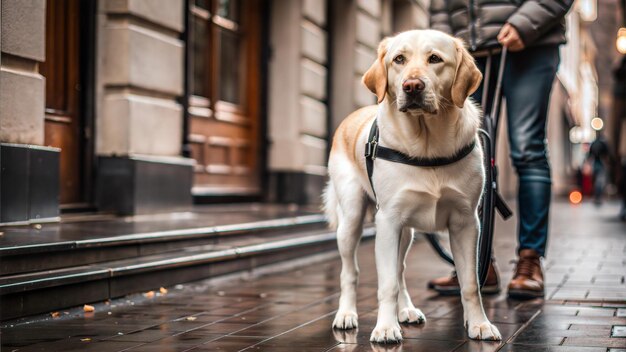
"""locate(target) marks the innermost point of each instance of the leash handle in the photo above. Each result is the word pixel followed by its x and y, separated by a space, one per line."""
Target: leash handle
pixel 486 80
pixel 492 115
pixel 497 95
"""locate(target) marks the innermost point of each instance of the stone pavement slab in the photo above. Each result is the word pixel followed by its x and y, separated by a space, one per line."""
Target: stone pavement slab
pixel 292 309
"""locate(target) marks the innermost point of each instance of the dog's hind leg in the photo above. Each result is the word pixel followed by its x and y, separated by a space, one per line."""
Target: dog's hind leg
pixel 464 243
pixel 407 313
pixel 350 213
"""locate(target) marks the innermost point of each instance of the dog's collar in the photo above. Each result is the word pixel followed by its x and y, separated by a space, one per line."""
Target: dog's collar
pixel 375 151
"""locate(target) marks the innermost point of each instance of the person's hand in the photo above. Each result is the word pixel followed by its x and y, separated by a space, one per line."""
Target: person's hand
pixel 510 38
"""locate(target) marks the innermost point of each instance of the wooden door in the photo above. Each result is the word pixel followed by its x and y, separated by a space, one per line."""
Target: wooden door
pixel 224 61
pixel 63 118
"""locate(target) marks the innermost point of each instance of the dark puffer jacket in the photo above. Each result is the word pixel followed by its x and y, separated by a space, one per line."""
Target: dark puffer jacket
pixel 478 22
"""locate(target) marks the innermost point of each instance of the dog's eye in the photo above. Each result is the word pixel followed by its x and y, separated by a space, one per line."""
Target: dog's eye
pixel 434 59
pixel 400 59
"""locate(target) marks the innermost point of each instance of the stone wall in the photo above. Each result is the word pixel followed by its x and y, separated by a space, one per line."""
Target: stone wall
pixel 357 30
pixel 22 95
pixel 139 120
pixel 140 77
pixel 298 96
pixel 298 92
pixel 29 171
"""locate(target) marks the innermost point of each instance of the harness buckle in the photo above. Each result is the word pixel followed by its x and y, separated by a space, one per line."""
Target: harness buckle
pixel 371 148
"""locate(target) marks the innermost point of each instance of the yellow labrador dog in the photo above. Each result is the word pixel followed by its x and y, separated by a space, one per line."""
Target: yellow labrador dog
pixel 422 79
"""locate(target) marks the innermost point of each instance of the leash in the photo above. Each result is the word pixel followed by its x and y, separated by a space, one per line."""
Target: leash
pixel 373 151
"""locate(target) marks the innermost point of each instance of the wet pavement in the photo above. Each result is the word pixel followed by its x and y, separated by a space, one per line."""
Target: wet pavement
pixel 292 309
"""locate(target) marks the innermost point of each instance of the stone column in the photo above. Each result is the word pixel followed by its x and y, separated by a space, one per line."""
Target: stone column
pixel 139 118
pixel 29 176
pixel 298 96
pixel 357 29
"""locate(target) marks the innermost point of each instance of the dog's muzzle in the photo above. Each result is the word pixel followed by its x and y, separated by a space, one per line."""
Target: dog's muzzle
pixel 415 97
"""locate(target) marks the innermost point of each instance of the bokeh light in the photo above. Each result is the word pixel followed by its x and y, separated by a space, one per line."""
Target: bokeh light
pixel 575 197
pixel 620 43
pixel 597 123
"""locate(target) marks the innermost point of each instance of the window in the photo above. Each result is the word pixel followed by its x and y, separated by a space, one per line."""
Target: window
pixel 217 57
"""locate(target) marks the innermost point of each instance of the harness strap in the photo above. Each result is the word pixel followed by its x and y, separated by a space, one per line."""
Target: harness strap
pixel 371 147
pixel 373 151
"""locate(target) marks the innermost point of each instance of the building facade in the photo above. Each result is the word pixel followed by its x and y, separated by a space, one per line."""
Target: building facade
pixel 142 106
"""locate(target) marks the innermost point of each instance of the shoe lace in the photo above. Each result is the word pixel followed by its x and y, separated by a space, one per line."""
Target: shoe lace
pixel 525 267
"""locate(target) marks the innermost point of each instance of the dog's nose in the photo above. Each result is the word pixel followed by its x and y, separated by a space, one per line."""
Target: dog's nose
pixel 413 85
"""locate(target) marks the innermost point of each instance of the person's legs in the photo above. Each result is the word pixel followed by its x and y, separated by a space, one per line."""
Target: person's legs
pixel 529 78
pixel 530 75
pixel 599 180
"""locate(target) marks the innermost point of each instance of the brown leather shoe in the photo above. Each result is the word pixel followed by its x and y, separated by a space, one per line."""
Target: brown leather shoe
pixel 528 279
pixel 449 285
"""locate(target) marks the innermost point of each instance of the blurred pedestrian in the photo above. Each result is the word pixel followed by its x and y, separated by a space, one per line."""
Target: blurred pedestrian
pixel 619 100
pixel 622 153
pixel 599 154
pixel 583 179
pixel 532 31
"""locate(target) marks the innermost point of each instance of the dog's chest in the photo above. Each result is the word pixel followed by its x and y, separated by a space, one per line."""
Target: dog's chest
pixel 425 198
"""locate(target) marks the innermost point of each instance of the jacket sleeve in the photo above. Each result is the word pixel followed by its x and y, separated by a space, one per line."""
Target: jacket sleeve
pixel 536 17
pixel 439 17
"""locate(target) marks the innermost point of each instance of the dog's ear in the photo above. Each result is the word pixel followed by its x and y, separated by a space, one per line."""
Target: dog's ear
pixel 467 78
pixel 375 79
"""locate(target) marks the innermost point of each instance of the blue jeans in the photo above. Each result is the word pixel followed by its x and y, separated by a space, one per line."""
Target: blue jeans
pixel 526 86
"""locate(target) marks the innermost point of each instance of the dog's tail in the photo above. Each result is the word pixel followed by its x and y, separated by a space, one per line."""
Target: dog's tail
pixel 330 205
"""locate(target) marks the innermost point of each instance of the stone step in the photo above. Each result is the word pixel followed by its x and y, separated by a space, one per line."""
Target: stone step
pixel 49 290
pixel 37 251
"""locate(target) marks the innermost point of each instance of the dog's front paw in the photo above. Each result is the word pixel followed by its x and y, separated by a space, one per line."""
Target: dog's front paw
pixel 483 331
pixel 384 333
pixel 346 320
pixel 411 316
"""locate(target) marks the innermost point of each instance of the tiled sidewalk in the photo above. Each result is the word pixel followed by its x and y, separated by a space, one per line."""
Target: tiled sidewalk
pixel 292 310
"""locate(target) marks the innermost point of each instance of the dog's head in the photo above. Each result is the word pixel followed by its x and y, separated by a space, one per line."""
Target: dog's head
pixel 422 71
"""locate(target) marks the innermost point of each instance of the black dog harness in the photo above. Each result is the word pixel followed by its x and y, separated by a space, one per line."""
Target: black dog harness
pixel 373 151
